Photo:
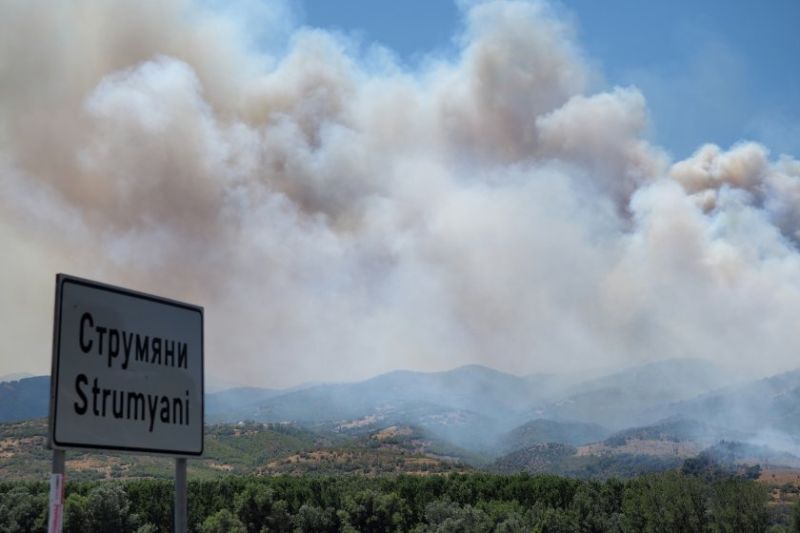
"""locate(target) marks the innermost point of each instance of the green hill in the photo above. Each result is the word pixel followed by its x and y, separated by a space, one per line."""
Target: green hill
pixel 543 431
pixel 242 448
pixel 563 459
pixel 233 449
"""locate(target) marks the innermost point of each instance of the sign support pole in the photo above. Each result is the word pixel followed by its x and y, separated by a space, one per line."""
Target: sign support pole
pixel 180 496
pixel 56 515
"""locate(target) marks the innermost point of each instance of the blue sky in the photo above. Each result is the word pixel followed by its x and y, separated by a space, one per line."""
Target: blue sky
pixel 712 71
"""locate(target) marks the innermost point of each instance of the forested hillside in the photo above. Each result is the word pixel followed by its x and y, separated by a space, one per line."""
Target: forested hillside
pixel 244 448
pixel 476 503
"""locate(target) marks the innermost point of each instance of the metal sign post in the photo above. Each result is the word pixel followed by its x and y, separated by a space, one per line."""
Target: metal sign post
pixel 56 516
pixel 127 376
pixel 180 496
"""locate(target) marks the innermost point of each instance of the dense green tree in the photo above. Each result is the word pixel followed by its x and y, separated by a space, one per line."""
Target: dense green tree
pixel 553 520
pixel 796 517
pixel 153 500
pixel 313 519
pixel 665 503
pixel 76 514
pixel 370 511
pixel 668 502
pixel 109 510
pixel 598 506
pixel 512 523
pixel 738 505
pixel 223 521
pixel 450 517
pixel 23 509
pixel 776 528
pixel 280 519
pixel 254 506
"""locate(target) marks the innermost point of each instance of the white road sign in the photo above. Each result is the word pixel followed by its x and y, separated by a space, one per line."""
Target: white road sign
pixel 127 371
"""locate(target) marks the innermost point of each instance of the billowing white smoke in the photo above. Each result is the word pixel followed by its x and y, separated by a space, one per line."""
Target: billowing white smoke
pixel 340 214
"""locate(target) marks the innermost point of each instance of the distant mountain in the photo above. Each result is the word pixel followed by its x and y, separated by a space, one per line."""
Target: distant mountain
pixel 562 459
pixel 672 430
pixel 15 377
pixel 473 404
pixel 238 403
pixel 622 399
pixel 536 458
pixel 472 388
pixel 732 453
pixel 27 398
pixel 768 410
pixel 635 451
pixel 491 412
pixel 636 420
pixel 541 431
pixel 468 405
pixel 499 401
pixel 24 399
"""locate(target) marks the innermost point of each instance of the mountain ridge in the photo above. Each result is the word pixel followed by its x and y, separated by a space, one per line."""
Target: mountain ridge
pixel 476 407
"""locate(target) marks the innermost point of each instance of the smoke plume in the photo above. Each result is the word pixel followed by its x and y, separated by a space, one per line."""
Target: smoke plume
pixel 339 213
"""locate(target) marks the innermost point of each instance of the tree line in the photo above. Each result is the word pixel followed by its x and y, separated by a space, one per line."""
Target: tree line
pixel 670 502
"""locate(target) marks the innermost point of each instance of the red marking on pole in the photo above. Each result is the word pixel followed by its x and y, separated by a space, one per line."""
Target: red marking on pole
pixel 56 503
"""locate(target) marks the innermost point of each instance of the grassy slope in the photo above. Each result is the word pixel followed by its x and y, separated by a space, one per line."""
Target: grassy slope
pixel 230 449
pixel 286 449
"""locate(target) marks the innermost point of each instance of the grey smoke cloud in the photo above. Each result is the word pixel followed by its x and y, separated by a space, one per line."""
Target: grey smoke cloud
pixel 340 214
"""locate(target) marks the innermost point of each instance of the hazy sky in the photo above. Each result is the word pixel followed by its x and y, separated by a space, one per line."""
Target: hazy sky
pixel 528 185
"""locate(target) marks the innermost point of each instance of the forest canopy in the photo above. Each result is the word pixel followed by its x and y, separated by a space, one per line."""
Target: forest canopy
pixel 671 502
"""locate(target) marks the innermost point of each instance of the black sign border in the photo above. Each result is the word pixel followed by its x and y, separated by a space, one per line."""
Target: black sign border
pixel 61 280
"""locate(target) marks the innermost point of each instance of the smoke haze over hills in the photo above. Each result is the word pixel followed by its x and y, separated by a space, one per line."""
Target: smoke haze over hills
pixel 340 214
pixel 668 409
